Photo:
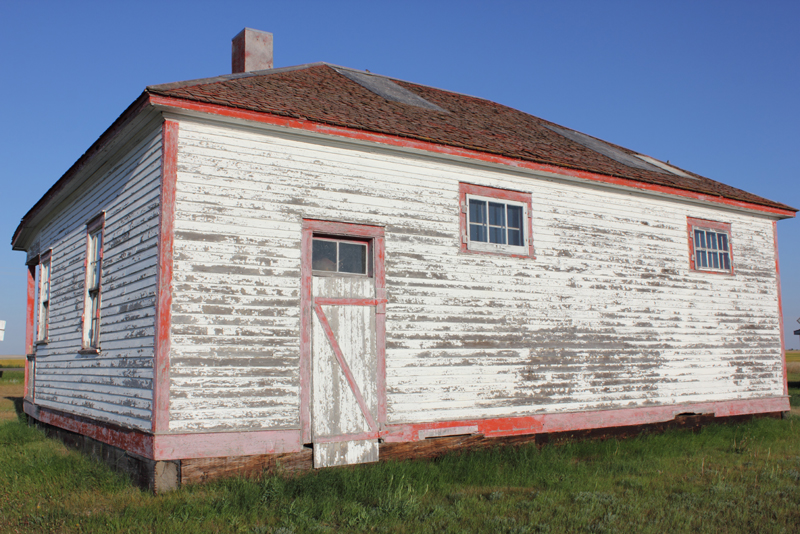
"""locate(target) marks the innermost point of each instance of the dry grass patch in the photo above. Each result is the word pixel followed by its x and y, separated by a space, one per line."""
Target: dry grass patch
pixel 793 356
pixel 14 361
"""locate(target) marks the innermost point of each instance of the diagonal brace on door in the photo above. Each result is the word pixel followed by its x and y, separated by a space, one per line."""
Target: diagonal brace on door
pixel 343 364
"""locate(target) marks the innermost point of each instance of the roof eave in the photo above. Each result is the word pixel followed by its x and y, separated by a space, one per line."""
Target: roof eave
pixel 309 125
pixel 18 241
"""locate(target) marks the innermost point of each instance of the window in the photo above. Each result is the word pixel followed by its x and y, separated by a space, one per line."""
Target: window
pixel 332 255
pixel 495 221
pixel 710 246
pixel 94 269
pixel 44 297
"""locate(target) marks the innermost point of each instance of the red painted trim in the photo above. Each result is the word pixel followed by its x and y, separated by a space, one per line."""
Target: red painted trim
pixel 343 229
pixel 127 439
pixel 376 234
pixel 306 301
pixel 29 315
pixel 166 226
pixel 30 312
pixel 266 118
pixel 492 192
pixel 173 446
pixel 379 254
pixel 691 223
pixel 548 423
pixel 209 445
pixel 321 301
pixel 780 307
pixel 347 437
pixel 348 374
pixel 217 444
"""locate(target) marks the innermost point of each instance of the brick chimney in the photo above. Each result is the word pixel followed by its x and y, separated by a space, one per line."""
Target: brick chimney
pixel 251 50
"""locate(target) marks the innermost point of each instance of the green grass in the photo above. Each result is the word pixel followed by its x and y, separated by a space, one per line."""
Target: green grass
pixel 738 478
pixel 12 362
pixel 12 378
pixel 793 356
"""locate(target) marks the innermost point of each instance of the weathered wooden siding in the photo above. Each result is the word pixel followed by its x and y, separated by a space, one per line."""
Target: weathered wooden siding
pixel 115 385
pixel 607 315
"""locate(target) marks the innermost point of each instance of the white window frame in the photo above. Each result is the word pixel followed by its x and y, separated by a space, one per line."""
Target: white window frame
pixel 45 291
pixel 338 240
pixel 93 283
pixel 486 246
pixel 717 228
pixel 709 251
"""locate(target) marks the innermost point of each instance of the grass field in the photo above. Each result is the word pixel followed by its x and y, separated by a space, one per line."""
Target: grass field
pixel 793 365
pixel 11 387
pixel 12 362
pixel 737 478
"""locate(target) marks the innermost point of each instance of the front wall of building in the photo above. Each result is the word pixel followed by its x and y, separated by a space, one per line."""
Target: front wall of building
pixel 114 385
pixel 607 315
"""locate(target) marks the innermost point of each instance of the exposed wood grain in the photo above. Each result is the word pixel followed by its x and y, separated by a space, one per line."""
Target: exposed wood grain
pixel 608 315
pixel 200 470
pixel 115 385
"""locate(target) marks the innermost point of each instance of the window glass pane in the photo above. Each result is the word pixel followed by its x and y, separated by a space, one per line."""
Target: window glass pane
pixel 497 214
pixel 515 231
pixel 515 217
pixel 477 232
pixel 477 211
pixel 46 281
pixel 514 237
pixel 713 260
pixel 95 298
pixel 497 235
pixel 723 241
pixel 712 240
pixel 701 259
pixel 725 260
pixel 353 258
pixel 323 255
pixel 95 245
pixel 699 239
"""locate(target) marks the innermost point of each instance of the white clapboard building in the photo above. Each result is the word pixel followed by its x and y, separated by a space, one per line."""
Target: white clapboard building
pixel 326 261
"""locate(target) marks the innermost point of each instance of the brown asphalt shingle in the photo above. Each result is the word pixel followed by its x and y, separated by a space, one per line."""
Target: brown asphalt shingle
pixel 321 94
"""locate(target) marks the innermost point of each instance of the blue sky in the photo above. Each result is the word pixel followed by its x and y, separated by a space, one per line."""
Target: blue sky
pixel 711 86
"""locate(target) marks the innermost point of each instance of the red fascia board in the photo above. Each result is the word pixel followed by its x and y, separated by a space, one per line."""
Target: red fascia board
pixel 134 109
pixel 245 443
pixel 166 234
pixel 780 308
pixel 399 141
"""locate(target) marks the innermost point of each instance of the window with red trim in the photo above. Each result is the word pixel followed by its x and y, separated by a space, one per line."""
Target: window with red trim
pixel 495 221
pixel 94 271
pixel 710 248
pixel 43 317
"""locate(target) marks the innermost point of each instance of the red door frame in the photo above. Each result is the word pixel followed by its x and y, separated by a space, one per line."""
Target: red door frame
pixel 308 308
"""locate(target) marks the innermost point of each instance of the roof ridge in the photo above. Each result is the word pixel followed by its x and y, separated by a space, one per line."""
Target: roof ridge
pixel 225 77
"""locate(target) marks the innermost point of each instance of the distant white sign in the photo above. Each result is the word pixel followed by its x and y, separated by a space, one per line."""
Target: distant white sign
pixel 2 329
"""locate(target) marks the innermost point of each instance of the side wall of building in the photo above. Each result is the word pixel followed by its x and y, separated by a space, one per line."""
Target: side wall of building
pixel 114 385
pixel 608 314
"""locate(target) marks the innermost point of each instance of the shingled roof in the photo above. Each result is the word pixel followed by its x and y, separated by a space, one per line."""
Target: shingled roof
pixel 343 97
pixel 337 96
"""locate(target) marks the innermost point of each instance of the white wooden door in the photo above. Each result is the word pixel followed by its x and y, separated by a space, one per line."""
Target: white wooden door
pixel 344 353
